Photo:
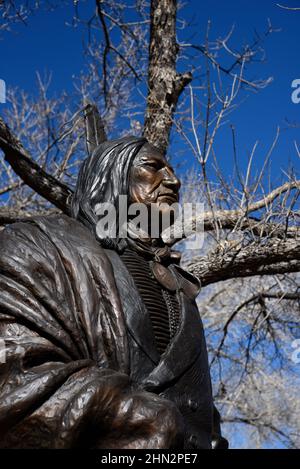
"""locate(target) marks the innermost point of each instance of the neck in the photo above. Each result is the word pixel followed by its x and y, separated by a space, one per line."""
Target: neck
pixel 154 248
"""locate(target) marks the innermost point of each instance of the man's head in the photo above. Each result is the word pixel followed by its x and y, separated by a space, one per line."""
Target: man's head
pixel 129 166
pixel 152 179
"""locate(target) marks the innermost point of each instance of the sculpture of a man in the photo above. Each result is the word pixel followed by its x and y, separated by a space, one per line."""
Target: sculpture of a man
pixel 102 342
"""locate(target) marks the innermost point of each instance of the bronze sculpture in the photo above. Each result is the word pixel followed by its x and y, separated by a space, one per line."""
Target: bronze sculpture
pixel 104 345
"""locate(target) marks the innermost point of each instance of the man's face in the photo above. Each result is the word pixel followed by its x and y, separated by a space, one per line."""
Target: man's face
pixel 152 180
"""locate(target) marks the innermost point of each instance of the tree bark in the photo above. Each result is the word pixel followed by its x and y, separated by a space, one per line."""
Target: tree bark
pixel 31 173
pixel 10 215
pixel 273 257
pixel 164 83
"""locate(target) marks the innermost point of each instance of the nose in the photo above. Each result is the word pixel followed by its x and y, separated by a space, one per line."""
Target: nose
pixel 171 180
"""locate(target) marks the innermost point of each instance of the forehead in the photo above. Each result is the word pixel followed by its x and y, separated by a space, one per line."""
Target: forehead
pixel 149 152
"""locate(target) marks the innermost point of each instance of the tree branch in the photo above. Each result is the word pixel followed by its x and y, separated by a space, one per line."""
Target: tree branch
pixel 272 257
pixel 289 296
pixel 288 8
pixel 238 219
pixel 30 172
pixel 108 46
pixel 164 83
pixel 10 215
pixel 288 186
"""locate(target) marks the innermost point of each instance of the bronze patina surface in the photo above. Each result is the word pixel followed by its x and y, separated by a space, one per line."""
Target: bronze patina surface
pixel 103 342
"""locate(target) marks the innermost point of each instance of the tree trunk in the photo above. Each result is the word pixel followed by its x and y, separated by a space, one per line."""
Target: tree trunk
pixel 164 83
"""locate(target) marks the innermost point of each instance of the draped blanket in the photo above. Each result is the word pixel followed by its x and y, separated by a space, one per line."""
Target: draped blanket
pixel 63 347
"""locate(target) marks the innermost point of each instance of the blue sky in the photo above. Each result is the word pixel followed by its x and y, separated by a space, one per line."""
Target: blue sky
pixel 261 113
pixel 46 44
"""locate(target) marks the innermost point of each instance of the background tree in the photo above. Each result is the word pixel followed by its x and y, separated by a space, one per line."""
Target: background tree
pixel 249 266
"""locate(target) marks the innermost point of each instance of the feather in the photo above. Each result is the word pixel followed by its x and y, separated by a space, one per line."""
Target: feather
pixel 95 132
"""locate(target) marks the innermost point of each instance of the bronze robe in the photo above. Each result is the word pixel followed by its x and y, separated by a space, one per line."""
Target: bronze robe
pixel 72 370
pixel 64 358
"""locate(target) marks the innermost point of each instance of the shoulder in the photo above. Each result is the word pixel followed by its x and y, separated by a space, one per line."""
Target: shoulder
pixel 46 236
pixel 53 227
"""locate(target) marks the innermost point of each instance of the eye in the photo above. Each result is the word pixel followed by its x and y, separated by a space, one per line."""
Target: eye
pixel 151 164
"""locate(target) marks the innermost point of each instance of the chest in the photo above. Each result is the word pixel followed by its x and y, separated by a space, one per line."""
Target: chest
pixel 161 303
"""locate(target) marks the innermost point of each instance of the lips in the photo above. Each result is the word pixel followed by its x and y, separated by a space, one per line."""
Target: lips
pixel 168 196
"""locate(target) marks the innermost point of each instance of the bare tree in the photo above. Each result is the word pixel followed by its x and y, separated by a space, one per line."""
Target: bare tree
pixel 12 12
pixel 285 7
pixel 249 266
